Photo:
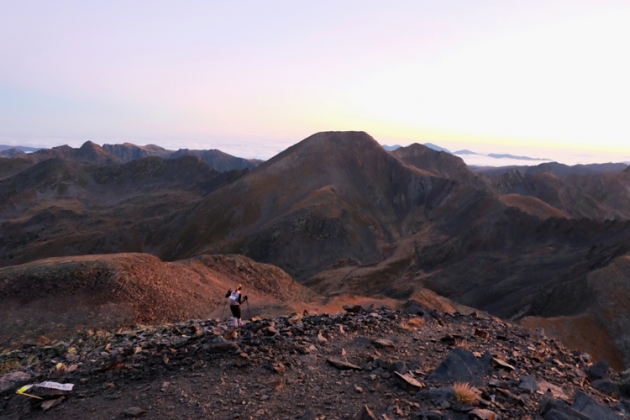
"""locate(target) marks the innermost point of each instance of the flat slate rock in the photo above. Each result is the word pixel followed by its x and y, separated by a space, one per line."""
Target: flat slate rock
pixel 502 364
pixel 134 412
pixel 483 414
pixel 407 382
pixel 366 414
pixel 555 390
pixel 384 344
pixel 340 364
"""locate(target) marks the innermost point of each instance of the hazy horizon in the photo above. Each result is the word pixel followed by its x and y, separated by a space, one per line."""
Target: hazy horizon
pixel 534 78
pixel 478 159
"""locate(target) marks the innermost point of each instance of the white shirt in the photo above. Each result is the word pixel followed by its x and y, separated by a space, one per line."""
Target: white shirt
pixel 234 298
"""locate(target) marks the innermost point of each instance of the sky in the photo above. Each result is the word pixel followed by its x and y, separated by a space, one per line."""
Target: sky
pixel 545 79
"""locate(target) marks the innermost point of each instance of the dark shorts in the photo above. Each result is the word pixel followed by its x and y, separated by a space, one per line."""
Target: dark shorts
pixel 236 310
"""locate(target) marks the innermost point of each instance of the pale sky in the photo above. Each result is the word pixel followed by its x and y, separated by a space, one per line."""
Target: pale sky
pixel 538 78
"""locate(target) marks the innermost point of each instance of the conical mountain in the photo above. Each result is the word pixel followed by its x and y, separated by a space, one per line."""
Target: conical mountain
pixel 333 196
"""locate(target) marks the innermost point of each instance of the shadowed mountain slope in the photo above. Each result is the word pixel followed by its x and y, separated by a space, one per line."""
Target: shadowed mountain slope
pixel 558 169
pixel 332 196
pixel 88 153
pixel 438 163
pixel 611 189
pixel 91 153
pixel 602 196
pixel 127 152
pixel 13 152
pixel 12 166
pixel 60 208
pixel 219 160
pixel 511 265
pixel 557 193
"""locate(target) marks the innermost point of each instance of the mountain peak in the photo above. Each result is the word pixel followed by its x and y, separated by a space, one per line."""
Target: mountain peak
pixel 328 146
pixel 436 147
pixel 93 152
pixel 436 162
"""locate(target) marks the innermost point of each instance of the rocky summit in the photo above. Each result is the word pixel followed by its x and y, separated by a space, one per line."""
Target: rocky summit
pixel 365 363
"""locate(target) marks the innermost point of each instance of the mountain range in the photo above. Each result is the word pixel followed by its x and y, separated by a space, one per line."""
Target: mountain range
pixel 547 246
pixel 494 157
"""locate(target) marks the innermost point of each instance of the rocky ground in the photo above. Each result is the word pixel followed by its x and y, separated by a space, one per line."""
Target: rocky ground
pixel 361 364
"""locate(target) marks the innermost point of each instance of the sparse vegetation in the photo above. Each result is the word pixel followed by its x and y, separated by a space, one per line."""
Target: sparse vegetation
pixel 460 342
pixel 416 322
pixel 465 393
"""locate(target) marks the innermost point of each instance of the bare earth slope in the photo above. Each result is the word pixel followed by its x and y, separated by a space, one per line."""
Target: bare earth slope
pixel 55 296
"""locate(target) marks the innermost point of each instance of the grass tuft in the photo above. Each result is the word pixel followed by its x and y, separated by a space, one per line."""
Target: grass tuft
pixel 464 393
pixel 416 322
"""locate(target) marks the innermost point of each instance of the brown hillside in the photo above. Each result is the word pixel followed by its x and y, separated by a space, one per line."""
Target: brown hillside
pixel 54 297
pixel 555 192
pixel 532 206
pixel 611 189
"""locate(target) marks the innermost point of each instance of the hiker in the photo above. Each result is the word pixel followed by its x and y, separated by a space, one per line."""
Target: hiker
pixel 235 305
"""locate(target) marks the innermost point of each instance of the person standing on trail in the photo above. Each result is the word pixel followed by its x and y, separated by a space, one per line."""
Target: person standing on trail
pixel 235 305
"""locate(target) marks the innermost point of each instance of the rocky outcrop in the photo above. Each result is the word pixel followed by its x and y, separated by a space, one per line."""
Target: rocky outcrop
pixel 311 366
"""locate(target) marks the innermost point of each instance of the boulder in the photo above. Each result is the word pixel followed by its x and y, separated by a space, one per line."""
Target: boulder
pixel 12 379
pixel 355 309
pixel 554 409
pixel 608 387
pixel 597 371
pixel 461 365
pixel 400 367
pixel 591 408
pixel 528 384
pixel 413 307
pixel 438 395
